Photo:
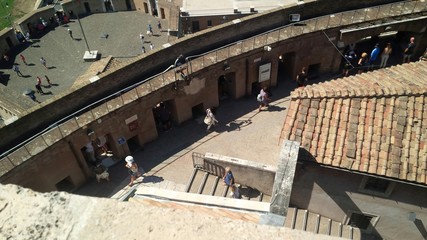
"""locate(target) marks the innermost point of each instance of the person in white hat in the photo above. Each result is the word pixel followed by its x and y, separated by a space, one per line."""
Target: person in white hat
pixel 133 169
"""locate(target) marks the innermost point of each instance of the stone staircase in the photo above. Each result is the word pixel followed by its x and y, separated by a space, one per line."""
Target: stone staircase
pixel 203 182
pixel 301 219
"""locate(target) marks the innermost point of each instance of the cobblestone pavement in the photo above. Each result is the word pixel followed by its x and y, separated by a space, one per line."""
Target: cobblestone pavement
pixel 64 55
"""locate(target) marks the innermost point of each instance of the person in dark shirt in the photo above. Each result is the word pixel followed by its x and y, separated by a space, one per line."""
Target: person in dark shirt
pixel 407 53
pixel 228 177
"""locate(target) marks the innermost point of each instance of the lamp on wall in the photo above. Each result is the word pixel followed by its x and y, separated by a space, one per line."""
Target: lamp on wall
pixel 226 66
pixel 91 134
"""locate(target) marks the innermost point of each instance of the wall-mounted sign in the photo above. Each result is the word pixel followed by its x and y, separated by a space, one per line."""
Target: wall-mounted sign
pixel 133 125
pixel 121 140
pixel 264 72
pixel 131 119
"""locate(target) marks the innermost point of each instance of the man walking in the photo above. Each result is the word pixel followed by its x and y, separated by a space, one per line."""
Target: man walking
pixel 71 33
pixel 151 46
pixel 43 62
pixel 16 69
pixel 23 59
pixel 39 86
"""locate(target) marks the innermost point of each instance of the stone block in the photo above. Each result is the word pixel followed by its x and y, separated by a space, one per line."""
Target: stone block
pixel 5 166
pixel 69 127
pixel 19 156
pixel 52 136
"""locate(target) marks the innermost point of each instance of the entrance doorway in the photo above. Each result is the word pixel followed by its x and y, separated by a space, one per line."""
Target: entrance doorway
pixel 145 7
pixel 198 110
pixel 9 42
pixel 133 144
pixel 313 71
pixel 163 117
pixel 65 185
pixel 162 13
pixel 87 7
pixel 226 86
pixel 128 5
pixel 285 69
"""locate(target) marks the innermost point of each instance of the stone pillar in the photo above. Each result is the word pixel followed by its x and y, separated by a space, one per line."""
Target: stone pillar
pixel 283 181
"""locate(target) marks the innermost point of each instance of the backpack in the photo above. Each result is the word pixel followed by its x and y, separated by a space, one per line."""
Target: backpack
pixel 259 98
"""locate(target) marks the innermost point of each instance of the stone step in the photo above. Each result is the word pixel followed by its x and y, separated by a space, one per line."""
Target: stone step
pixel 211 185
pixel 301 219
pixel 197 182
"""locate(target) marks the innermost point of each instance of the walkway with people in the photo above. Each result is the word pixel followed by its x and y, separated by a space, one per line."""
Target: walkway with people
pixel 115 34
pixel 242 132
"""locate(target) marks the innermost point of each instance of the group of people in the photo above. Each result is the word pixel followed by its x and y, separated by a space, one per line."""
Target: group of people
pixel 150 33
pixel 367 61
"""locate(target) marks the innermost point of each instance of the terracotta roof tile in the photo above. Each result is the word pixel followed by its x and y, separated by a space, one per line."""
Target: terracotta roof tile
pixel 374 122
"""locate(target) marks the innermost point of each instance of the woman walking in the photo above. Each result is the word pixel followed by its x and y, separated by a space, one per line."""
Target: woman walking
pixel 210 119
pixel 385 55
pixel 133 169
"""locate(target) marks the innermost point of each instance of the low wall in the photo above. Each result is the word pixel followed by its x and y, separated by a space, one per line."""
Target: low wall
pixel 206 200
pixel 248 173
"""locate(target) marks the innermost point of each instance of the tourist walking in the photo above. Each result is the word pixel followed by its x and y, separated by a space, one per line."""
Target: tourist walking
pixel 228 177
pixel 16 69
pixel 210 119
pixel 43 62
pixel 141 37
pixel 159 26
pixel 385 55
pixel 39 86
pixel 71 33
pixel 409 50
pixel 151 46
pixel 143 49
pixel 149 30
pixel 264 98
pixel 23 59
pixel 133 169
pixel 48 81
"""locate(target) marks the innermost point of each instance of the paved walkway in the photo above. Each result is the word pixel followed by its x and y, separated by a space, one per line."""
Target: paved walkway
pixel 243 132
pixel 64 55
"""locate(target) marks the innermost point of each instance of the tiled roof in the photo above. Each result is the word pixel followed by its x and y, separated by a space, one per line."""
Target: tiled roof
pixel 373 122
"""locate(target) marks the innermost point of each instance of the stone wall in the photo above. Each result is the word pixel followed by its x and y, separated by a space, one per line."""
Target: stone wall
pixel 335 194
pixel 246 172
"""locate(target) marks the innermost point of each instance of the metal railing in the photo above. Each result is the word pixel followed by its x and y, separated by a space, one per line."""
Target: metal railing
pixel 198 62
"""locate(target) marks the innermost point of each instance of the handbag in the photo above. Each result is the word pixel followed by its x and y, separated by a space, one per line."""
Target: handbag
pixel 208 120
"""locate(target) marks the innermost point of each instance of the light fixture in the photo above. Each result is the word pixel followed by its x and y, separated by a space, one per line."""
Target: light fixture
pixel 267 48
pixel 226 66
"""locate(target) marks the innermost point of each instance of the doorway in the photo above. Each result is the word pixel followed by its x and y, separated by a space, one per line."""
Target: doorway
pixel 65 185
pixel 128 5
pixel 226 86
pixel 162 13
pixel 9 42
pixel 198 110
pixel 145 7
pixel 285 69
pixel 313 71
pixel 163 115
pixel 87 7
pixel 133 144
